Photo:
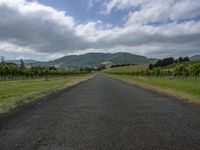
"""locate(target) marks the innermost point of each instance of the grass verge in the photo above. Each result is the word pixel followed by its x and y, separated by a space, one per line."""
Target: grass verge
pixel 16 93
pixel 187 88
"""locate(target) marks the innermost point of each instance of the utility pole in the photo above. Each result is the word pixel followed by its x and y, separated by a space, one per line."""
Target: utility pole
pixel 2 59
pixel 22 66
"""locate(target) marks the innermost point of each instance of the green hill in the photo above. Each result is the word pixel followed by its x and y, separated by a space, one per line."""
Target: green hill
pixel 92 59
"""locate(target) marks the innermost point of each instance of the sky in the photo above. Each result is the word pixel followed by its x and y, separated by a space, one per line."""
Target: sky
pixel 48 29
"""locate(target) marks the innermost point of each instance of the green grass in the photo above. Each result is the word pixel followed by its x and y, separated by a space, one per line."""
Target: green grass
pixel 127 69
pixel 14 93
pixel 187 88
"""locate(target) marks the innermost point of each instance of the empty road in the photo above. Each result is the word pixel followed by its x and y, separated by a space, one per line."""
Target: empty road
pixel 103 114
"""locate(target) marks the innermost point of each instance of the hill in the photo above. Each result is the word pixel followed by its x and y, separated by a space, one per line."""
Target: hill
pixel 94 59
pixel 195 57
pixel 26 61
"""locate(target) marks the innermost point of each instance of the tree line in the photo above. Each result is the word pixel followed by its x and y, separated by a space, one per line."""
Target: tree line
pixel 168 61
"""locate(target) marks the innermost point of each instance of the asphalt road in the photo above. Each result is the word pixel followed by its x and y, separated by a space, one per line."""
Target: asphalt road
pixel 103 114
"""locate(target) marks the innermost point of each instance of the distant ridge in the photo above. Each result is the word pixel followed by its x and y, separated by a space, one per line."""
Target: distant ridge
pixel 26 61
pixel 195 57
pixel 92 59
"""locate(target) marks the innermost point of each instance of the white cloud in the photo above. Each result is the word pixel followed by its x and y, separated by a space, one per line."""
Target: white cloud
pixel 185 9
pixel 145 11
pixel 91 3
pixel 39 27
pixel 7 47
pixel 31 27
pixel 109 5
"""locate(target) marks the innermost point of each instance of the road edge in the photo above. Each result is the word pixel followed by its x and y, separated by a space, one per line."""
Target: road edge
pixel 164 92
pixel 5 117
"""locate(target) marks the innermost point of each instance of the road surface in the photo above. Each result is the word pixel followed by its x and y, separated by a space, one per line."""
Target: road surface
pixel 103 114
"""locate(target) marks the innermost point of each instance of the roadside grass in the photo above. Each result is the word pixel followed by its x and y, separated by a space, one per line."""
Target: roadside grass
pixel 18 92
pixel 187 88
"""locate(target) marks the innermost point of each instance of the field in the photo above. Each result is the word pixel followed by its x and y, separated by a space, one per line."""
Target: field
pixel 17 92
pixel 126 69
pixel 180 86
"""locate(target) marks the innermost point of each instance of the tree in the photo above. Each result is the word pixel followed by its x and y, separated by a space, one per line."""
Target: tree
pixel 164 62
pixel 52 68
pixel 180 59
pixel 151 66
pixel 186 59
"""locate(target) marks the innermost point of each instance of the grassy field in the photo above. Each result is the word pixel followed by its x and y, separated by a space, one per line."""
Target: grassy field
pixel 183 88
pixel 14 93
pixel 126 69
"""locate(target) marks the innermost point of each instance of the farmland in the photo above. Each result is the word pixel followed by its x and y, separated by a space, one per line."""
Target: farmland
pixel 183 63
pixel 127 69
pixel 11 71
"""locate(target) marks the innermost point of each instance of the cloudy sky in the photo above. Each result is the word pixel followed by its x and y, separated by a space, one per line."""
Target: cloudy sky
pixel 48 29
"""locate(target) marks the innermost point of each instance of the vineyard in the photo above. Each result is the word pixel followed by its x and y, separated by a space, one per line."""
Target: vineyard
pixel 178 79
pixel 11 71
pixel 179 70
